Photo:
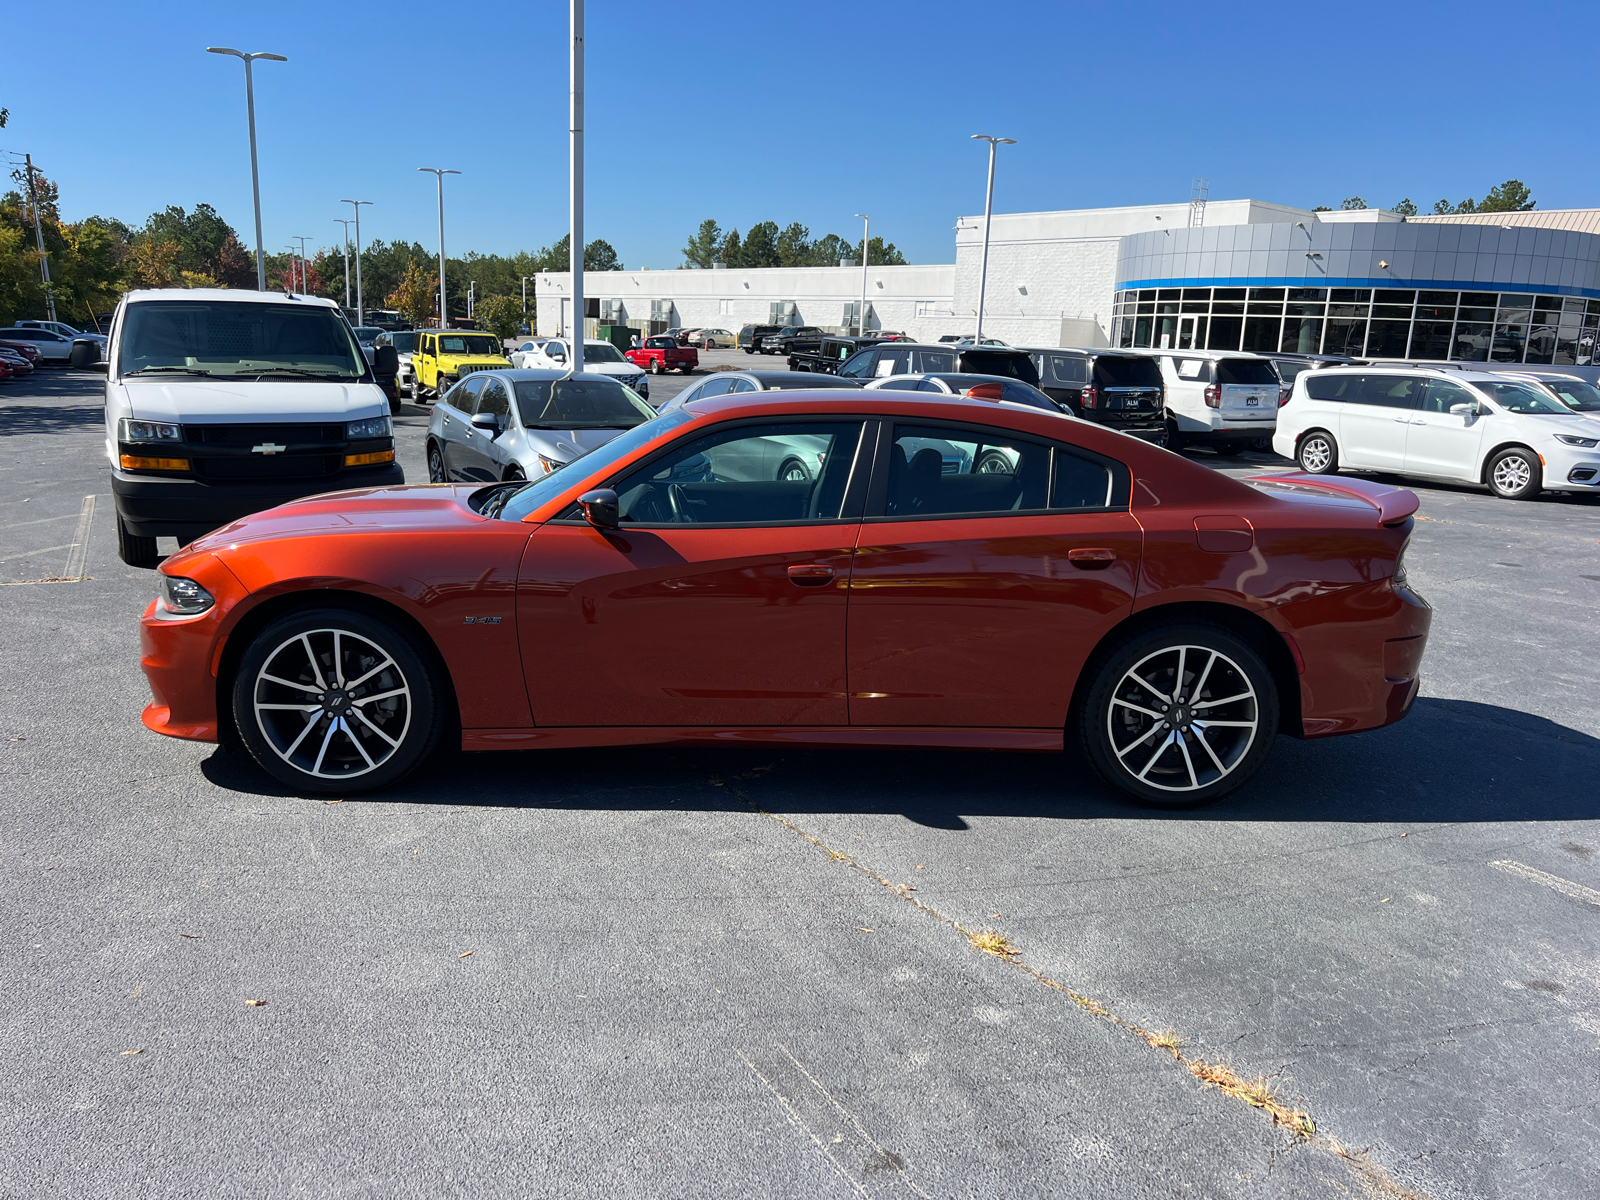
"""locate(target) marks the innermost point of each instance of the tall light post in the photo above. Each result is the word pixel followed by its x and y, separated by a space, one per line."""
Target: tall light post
pixel 439 173
pixel 361 316
pixel 575 133
pixel 345 221
pixel 866 242
pixel 255 173
pixel 294 269
pixel 525 279
pixel 304 287
pixel 988 212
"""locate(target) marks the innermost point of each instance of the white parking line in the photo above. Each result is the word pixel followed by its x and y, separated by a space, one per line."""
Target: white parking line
pixel 41 550
pixel 1565 886
pixel 79 554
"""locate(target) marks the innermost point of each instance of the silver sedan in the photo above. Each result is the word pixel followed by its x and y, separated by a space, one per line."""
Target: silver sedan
pixel 521 424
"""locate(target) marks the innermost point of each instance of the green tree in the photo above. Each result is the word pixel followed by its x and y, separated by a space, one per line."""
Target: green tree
pixel 761 246
pixel 731 251
pixel 881 255
pixel 19 274
pixel 1405 208
pixel 794 246
pixel 500 315
pixel 701 250
pixel 826 251
pixel 1353 204
pixel 415 295
pixel 1511 196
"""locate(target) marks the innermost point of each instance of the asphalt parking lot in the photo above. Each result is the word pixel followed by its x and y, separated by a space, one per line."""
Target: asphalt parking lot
pixel 649 972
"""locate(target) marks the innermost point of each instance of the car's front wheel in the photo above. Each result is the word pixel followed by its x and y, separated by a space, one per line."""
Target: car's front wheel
pixel 1515 474
pixel 333 700
pixel 1181 715
pixel 1318 453
pixel 436 464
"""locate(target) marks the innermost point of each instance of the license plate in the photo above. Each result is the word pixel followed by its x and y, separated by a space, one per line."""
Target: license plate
pixel 1252 401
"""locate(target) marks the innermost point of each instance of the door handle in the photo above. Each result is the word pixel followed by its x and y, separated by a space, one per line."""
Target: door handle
pixel 810 575
pixel 1091 558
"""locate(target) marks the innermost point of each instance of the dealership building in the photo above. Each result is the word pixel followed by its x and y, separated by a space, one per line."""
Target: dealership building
pixel 1233 274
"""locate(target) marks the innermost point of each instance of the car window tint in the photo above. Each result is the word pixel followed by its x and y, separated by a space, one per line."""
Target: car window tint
pixel 932 385
pixel 1197 369
pixel 1020 393
pixel 1323 386
pixel 1066 369
pixel 769 473
pixel 892 362
pixel 1440 394
pixel 1012 364
pixel 493 398
pixel 903 384
pixel 1390 391
pixel 940 471
pixel 1248 371
pixel 741 385
pixel 465 394
pixel 1576 394
pixel 716 387
pixel 933 360
pixel 859 367
pixel 1080 482
pixel 584 402
pixel 1522 398
pixel 1126 370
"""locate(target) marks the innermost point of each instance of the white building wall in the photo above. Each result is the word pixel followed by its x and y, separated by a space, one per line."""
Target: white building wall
pixel 915 299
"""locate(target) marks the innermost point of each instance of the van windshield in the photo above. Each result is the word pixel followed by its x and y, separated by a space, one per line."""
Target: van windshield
pixel 1522 398
pixel 238 339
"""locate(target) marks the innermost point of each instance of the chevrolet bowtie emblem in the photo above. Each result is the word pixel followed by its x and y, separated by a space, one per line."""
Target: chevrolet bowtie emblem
pixel 267 448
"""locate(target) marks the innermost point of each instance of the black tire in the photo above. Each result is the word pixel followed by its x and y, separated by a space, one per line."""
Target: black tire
pixel 1317 453
pixel 655 366
pixel 436 471
pixel 1175 439
pixel 687 368
pixel 1132 695
pixel 326 749
pixel 993 462
pixel 84 355
pixel 134 550
pixel 748 350
pixel 792 470
pixel 394 404
pixel 514 474
pixel 1515 474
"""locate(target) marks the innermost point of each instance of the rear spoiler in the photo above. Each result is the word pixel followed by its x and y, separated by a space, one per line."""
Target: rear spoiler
pixel 1395 505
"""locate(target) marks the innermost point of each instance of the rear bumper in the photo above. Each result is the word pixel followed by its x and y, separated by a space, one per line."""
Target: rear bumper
pixel 1363 662
pixel 188 508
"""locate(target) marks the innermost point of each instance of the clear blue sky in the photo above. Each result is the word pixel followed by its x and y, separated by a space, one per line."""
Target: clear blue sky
pixel 796 112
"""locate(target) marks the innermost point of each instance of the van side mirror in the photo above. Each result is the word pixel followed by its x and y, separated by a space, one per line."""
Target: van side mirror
pixel 385 360
pixel 1463 410
pixel 600 508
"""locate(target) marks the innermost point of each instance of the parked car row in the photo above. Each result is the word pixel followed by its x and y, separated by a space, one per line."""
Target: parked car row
pixel 57 344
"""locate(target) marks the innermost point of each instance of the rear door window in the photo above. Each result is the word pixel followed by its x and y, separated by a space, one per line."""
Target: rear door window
pixel 892 362
pixel 1196 369
pixel 930 361
pixel 464 395
pixel 1252 372
pixel 1322 386
pixel 946 471
pixel 1064 370
pixel 493 398
pixel 859 367
pixel 1391 391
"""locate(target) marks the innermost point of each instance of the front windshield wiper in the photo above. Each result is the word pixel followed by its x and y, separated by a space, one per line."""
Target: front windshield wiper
pixel 576 425
pixel 174 370
pixel 301 372
pixel 492 506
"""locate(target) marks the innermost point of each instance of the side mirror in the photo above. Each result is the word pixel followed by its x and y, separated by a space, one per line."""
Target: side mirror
pixel 385 360
pixel 600 508
pixel 487 422
pixel 102 366
pixel 1463 410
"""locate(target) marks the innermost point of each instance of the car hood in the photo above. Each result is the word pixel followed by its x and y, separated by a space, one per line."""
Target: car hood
pixel 568 444
pixel 400 509
pixel 621 368
pixel 253 402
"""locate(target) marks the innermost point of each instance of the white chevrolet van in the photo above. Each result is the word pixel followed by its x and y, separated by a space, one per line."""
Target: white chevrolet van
pixel 221 403
pixel 1227 399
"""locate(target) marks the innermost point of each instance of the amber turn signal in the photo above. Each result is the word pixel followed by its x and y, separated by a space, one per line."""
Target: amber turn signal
pixel 137 462
pixel 366 460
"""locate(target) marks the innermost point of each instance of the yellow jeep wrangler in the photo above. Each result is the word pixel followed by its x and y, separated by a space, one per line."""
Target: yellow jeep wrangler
pixel 443 356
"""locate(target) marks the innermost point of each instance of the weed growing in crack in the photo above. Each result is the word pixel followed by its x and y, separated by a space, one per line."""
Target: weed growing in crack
pixel 994 943
pixel 1259 1092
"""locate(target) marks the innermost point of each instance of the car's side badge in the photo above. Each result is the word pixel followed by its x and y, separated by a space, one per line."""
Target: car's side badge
pixel 481 621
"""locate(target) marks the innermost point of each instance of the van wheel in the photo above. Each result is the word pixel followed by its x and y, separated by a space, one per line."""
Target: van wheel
pixel 1318 453
pixel 331 700
pixel 1515 474
pixel 1180 715
pixel 134 550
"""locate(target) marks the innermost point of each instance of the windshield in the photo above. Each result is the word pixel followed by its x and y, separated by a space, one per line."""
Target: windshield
pixel 1523 398
pixel 403 343
pixel 365 333
pixel 601 352
pixel 459 343
pixel 237 339
pixel 1576 394
pixel 547 487
pixel 580 404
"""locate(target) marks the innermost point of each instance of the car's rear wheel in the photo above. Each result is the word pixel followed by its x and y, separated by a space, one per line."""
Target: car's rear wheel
pixel 655 366
pixel 134 550
pixel 333 700
pixel 793 471
pixel 436 464
pixel 994 463
pixel 1175 439
pixel 1515 474
pixel 514 474
pixel 1318 453
pixel 1179 716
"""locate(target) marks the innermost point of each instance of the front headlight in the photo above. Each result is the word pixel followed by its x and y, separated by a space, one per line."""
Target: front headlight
pixel 184 597
pixel 370 428
pixel 1574 440
pixel 129 430
pixel 549 464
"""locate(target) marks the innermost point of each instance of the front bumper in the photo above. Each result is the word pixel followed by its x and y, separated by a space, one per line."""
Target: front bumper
pixel 189 508
pixel 181 657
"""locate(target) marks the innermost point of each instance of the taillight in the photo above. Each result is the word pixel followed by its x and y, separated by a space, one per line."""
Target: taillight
pixel 1283 395
pixel 984 391
pixel 1214 396
pixel 1089 397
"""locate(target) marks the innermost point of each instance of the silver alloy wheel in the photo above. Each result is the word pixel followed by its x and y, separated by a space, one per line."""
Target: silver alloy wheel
pixel 995 464
pixel 1512 474
pixel 332 704
pixel 1316 453
pixel 1183 718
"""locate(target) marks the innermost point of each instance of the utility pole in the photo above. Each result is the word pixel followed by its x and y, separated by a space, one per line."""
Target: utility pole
pixel 439 173
pixel 38 233
pixel 472 292
pixel 866 242
pixel 575 133
pixel 988 212
pixel 361 317
pixel 346 223
pixel 525 279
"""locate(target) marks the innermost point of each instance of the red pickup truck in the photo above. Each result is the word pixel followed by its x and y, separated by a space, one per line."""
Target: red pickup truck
pixel 662 353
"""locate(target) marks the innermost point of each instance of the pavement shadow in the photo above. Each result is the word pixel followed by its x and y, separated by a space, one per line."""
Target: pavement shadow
pixel 16 419
pixel 1450 761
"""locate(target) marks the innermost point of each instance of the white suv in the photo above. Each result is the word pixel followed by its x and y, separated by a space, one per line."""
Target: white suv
pixel 220 403
pixel 1505 433
pixel 1220 398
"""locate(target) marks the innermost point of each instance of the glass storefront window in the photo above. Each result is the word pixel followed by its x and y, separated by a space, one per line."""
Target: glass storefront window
pixel 1398 312
pixel 1302 335
pixel 1166 306
pixel 1479 299
pixel 1476 314
pixel 1166 333
pixel 1197 293
pixel 1348 311
pixel 1261 334
pixel 1510 341
pixel 1394 296
pixel 1145 306
pixel 1547 302
pixel 1168 294
pixel 1228 294
pixel 1258 309
pixel 1541 343
pixel 1266 293
pixel 1471 343
pixel 1147 294
pixel 1350 295
pixel 1573 304
pixel 1308 295
pixel 1436 312
pixel 1387 339
pixel 1225 331
pixel 1345 336
pixel 1125 337
pixel 1444 299
pixel 1431 339
pixel 1306 310
pixel 1224 307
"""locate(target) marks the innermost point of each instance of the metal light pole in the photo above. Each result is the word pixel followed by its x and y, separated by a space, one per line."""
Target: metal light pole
pixel 866 242
pixel 255 173
pixel 304 287
pixel 575 133
pixel 439 173
pixel 294 270
pixel 472 295
pixel 38 233
pixel 525 279
pixel 988 212
pixel 346 223
pixel 361 317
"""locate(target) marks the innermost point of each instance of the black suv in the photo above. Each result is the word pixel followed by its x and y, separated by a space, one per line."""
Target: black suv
pixel 750 336
pixel 830 353
pixel 915 358
pixel 1114 388
pixel 792 339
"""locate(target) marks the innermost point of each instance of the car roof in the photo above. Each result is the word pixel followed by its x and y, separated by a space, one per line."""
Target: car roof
pixel 906 345
pixel 792 377
pixel 1207 354
pixel 525 374
pixel 1454 375
pixel 228 295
